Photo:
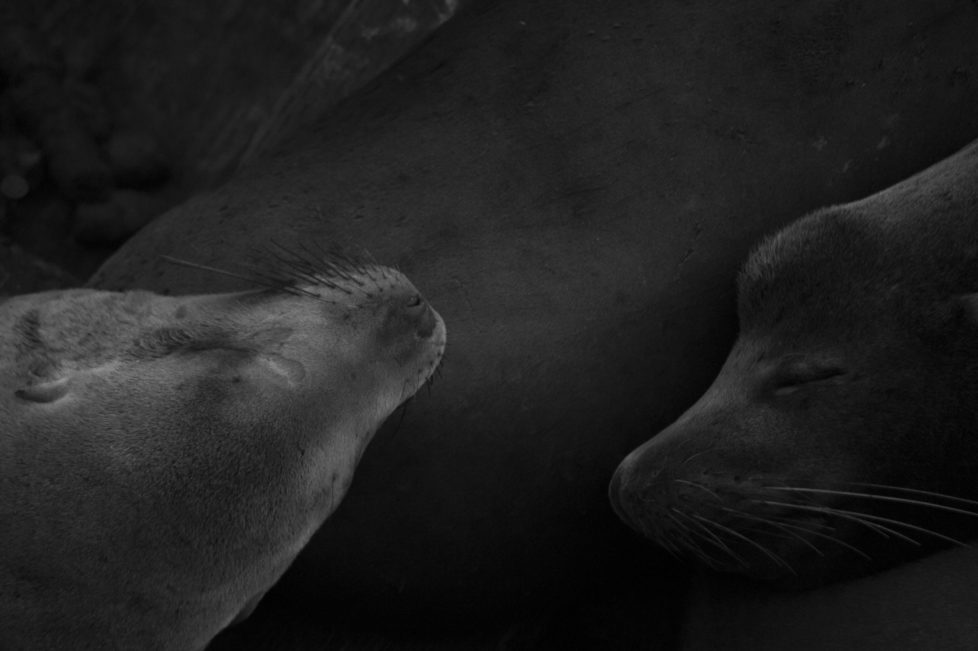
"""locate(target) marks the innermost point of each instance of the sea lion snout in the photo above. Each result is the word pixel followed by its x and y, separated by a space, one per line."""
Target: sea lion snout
pixel 711 486
pixel 411 313
pixel 622 489
pixel 427 321
pixel 410 328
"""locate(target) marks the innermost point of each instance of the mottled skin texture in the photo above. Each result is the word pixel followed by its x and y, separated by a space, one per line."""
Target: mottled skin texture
pixel 164 459
pixel 850 391
pixel 574 184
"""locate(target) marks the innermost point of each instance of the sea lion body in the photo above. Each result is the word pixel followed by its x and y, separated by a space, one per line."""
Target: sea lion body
pixel 163 459
pixel 839 436
pixel 921 605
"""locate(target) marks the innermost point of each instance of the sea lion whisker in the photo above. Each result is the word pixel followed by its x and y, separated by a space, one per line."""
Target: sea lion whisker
pixel 360 264
pixel 285 268
pixel 815 532
pixel 217 270
pixel 400 419
pixel 882 498
pixel 773 523
pixel 314 279
pixel 669 546
pixel 925 530
pixel 854 516
pixel 694 455
pixel 917 491
pixel 288 256
pixel 686 536
pixel 296 265
pixel 365 252
pixel 764 550
pixel 309 274
pixel 334 269
pixel 335 260
pixel 312 276
pixel 302 291
pixel 289 284
pixel 307 265
pixel 699 486
pixel 255 278
pixel 712 536
pixel 838 541
pixel 811 526
pixel 682 525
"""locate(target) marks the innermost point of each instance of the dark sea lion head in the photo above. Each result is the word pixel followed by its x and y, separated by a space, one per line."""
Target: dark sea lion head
pixel 841 434
pixel 163 459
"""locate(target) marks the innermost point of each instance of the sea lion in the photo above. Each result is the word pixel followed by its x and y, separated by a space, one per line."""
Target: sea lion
pixel 839 436
pixel 163 459
pixel 574 184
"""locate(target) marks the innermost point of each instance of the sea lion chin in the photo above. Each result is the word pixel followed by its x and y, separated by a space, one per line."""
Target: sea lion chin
pixel 839 436
pixel 164 459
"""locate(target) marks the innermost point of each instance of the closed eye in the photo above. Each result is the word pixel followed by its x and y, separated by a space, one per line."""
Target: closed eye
pixel 790 379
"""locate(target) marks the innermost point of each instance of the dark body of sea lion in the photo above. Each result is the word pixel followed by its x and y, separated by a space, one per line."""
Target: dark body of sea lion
pixel 924 605
pixel 573 184
pixel 839 436
pixel 164 459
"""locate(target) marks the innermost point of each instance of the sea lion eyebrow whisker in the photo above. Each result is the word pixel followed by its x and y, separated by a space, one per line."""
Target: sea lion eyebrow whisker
pixel 285 283
pixel 204 267
pixel 254 278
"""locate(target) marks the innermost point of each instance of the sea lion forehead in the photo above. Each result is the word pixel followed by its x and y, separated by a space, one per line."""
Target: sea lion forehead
pixel 830 256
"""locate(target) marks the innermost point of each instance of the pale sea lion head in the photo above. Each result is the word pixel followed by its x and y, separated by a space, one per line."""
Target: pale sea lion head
pixel 841 435
pixel 163 459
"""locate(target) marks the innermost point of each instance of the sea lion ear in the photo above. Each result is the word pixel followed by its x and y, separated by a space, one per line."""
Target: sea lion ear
pixel 44 392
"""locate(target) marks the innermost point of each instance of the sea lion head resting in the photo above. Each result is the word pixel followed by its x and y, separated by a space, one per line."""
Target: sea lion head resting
pixel 163 459
pixel 841 434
